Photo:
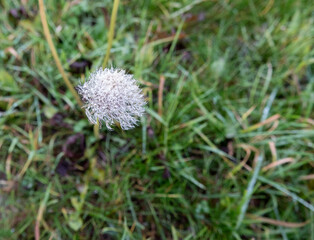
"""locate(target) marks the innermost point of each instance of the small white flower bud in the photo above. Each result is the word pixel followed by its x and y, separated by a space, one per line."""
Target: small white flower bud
pixel 111 95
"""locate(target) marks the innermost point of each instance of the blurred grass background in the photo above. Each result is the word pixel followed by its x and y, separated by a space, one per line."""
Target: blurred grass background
pixel 224 152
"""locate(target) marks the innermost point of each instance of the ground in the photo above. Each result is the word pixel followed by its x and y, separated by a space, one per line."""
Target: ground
pixel 225 150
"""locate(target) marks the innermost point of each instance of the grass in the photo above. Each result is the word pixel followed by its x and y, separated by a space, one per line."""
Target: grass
pixel 224 152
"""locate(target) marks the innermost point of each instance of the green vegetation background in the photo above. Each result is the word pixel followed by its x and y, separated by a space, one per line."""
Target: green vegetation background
pixel 224 152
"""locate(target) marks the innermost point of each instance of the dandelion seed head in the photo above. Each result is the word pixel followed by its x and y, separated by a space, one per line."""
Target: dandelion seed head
pixel 111 95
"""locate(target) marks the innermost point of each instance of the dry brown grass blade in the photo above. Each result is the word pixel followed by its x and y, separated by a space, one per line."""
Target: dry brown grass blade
pixel 160 93
pixel 277 222
pixel 54 52
pixel 164 38
pixel 259 138
pixel 307 120
pixel 8 166
pixel 260 124
pixel 248 113
pixel 12 51
pixel 41 213
pixel 277 163
pixel 274 126
pixel 254 149
pixel 307 177
pixel 246 158
pixel 248 150
pixel 273 150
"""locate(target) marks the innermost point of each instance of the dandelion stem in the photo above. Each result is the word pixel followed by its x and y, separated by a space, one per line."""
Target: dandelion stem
pixel 110 39
pixel 54 52
pixel 96 129
pixel 111 30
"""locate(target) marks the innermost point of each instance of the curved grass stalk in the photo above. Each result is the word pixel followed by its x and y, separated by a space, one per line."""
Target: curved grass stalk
pixel 54 52
pixel 111 30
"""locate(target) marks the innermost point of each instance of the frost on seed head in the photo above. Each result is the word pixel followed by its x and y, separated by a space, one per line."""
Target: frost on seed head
pixel 111 95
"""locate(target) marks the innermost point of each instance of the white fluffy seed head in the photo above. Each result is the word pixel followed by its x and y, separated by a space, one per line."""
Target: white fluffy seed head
pixel 111 95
